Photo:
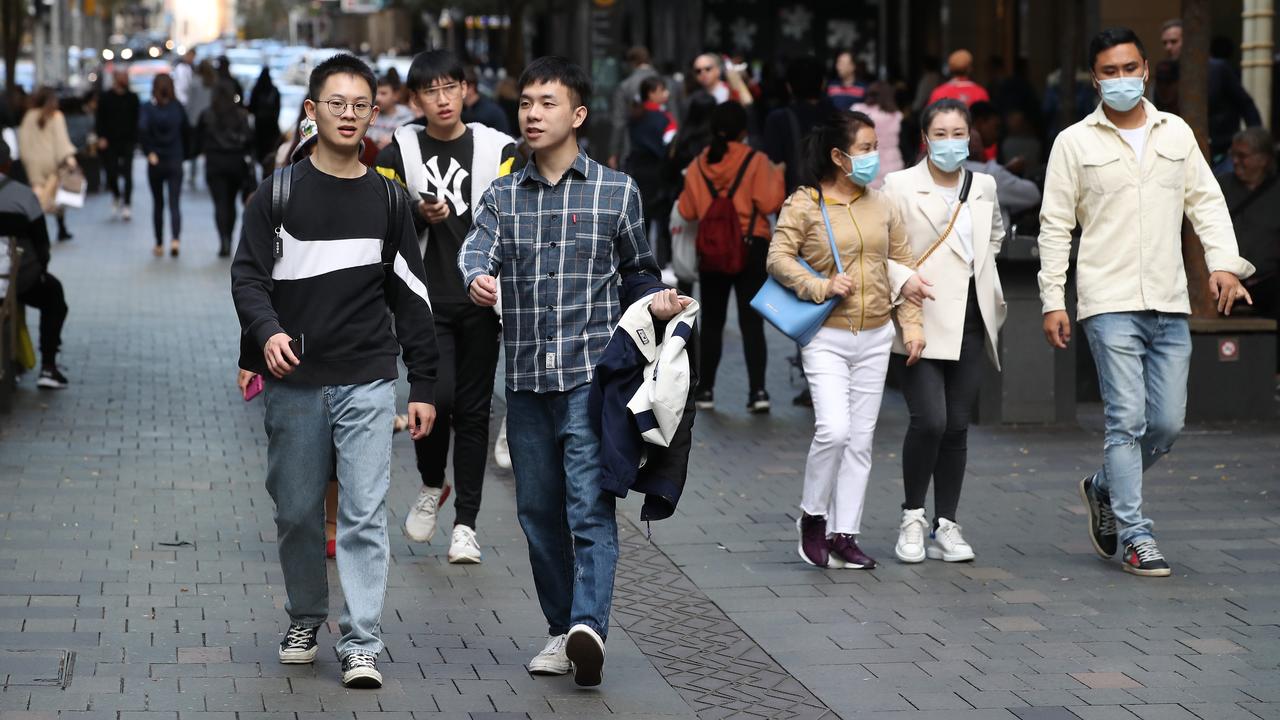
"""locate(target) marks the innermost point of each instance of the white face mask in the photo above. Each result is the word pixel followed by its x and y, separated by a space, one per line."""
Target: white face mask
pixel 1122 94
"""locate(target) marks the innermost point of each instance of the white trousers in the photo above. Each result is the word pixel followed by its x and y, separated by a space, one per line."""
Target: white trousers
pixel 846 374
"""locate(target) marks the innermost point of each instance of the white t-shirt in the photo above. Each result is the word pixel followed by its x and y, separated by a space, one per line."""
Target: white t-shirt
pixel 1137 139
pixel 963 229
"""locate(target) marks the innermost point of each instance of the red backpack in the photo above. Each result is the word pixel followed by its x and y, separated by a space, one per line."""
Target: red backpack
pixel 721 243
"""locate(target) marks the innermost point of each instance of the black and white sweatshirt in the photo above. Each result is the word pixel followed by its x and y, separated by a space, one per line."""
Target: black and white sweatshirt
pixel 330 287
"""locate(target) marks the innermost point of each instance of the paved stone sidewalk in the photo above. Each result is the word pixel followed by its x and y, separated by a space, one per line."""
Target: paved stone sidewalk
pixel 137 535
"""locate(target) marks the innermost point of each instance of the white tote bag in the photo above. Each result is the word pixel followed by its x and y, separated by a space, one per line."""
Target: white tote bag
pixel 684 246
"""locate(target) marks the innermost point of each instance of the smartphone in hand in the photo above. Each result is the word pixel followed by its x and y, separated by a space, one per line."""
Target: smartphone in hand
pixel 429 197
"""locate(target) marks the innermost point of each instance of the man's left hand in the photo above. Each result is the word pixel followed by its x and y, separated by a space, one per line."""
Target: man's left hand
pixel 422 416
pixel 668 304
pixel 1226 290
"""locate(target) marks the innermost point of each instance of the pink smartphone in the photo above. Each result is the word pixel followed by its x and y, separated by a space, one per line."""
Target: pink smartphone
pixel 254 387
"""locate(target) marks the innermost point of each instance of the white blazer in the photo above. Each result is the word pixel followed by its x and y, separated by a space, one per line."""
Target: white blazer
pixel 925 213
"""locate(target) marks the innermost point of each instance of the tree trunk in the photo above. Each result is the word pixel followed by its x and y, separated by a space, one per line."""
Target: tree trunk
pixel 1193 105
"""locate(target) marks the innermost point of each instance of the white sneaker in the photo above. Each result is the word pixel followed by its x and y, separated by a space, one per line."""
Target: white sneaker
pixel 585 649
pixel 464 549
pixel 910 547
pixel 501 451
pixel 948 544
pixel 552 660
pixel 126 213
pixel 420 522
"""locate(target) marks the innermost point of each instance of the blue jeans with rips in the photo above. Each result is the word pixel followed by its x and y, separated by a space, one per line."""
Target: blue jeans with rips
pixel 307 428
pixel 1143 359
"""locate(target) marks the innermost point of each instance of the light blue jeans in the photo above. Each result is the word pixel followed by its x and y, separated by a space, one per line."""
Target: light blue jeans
pixel 308 427
pixel 1143 359
pixel 568 521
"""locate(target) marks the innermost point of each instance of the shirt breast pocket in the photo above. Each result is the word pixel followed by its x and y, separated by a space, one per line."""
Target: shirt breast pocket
pixel 1103 173
pixel 593 240
pixel 519 233
pixel 1170 164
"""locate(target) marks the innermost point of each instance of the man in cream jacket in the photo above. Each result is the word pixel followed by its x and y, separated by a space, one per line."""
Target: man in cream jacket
pixel 1127 174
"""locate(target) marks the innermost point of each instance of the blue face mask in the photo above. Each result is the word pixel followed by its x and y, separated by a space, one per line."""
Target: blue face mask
pixel 1121 94
pixel 863 168
pixel 947 155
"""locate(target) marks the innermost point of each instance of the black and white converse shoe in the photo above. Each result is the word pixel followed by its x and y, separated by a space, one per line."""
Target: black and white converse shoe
pixel 299 645
pixel 1102 521
pixel 52 379
pixel 360 670
pixel 1145 559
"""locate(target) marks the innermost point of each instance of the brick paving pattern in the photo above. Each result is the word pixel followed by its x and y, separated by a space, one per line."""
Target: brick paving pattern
pixel 137 558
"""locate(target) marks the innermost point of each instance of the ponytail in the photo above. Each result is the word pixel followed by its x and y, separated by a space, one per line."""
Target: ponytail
pixel 728 123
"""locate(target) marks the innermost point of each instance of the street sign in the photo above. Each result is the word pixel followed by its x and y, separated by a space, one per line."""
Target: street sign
pixel 1228 350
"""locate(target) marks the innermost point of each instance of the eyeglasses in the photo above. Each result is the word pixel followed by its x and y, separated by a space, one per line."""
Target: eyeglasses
pixel 362 108
pixel 450 91
pixel 701 70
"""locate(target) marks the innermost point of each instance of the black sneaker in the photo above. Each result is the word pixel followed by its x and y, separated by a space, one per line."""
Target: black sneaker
pixel 299 645
pixel 758 402
pixel 1102 522
pixel 52 379
pixel 704 400
pixel 360 670
pixel 1144 558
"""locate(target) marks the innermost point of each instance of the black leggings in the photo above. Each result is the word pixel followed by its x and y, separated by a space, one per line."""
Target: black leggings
pixel 467 337
pixel 940 395
pixel 715 309
pixel 46 295
pixel 225 175
pixel 158 176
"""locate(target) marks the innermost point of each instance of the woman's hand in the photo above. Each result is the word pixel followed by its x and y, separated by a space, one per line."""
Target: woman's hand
pixel 242 380
pixel 915 348
pixel 916 290
pixel 839 286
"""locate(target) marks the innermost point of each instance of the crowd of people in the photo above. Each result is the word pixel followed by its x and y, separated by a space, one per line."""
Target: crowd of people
pixel 886 207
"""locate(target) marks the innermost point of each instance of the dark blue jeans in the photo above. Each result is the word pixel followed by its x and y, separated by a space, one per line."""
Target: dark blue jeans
pixel 567 520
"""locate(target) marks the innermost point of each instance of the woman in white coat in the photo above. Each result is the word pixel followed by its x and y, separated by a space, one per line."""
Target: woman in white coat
pixel 955 229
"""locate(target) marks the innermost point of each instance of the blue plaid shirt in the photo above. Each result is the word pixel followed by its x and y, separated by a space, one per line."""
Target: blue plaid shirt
pixel 560 252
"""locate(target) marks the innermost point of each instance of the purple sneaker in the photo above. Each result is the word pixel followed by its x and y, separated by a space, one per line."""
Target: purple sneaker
pixel 813 539
pixel 845 553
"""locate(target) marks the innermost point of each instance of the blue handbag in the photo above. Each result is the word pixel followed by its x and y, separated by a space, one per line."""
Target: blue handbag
pixel 798 319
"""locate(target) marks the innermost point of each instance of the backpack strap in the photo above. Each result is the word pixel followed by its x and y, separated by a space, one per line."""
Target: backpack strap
pixel 395 223
pixel 742 170
pixel 281 184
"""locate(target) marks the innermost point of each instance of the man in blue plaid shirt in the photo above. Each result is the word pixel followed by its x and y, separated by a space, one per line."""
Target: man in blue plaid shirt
pixel 562 233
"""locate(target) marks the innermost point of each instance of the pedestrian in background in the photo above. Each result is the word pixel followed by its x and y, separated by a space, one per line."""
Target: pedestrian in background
pixel 1252 192
pixel 117 124
pixel 845 91
pixel 786 128
pixel 264 106
pixel 199 95
pixel 479 108
pixel 626 102
pixel 846 362
pixel 881 106
pixel 651 129
pixel 45 148
pixel 391 112
pixel 227 140
pixel 960 86
pixel 729 169
pixel 955 231
pixel 161 130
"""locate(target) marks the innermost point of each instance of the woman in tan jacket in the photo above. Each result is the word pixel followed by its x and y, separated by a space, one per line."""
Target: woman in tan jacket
pixel 45 147
pixel 847 360
pixel 759 194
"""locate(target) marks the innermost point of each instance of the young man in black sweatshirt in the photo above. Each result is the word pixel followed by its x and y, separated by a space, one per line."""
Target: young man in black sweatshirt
pixel 117 124
pixel 447 165
pixel 317 297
